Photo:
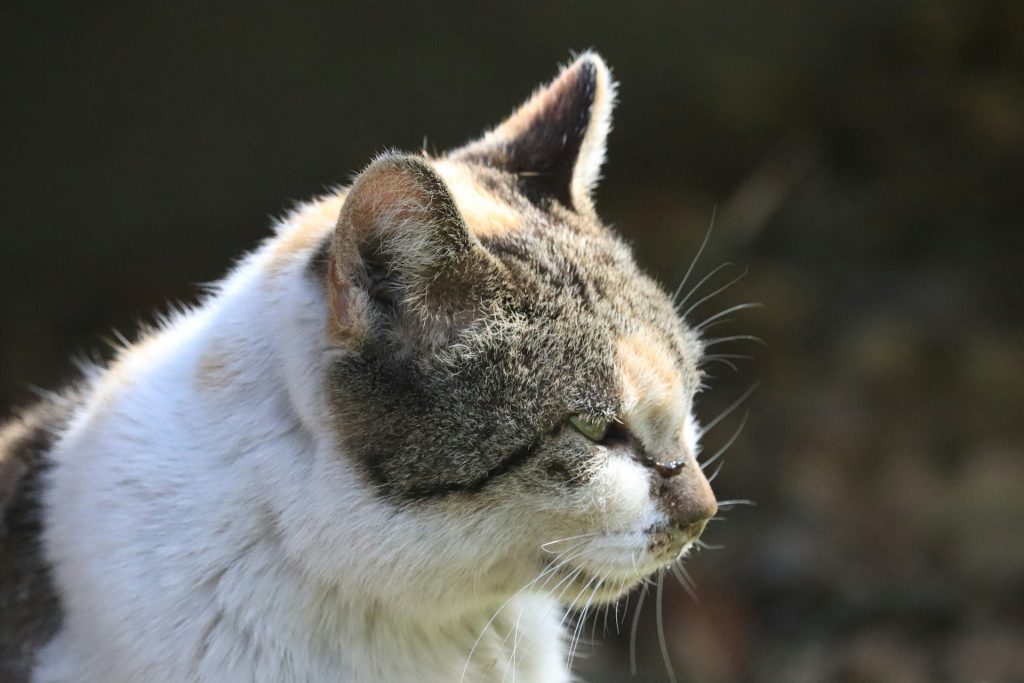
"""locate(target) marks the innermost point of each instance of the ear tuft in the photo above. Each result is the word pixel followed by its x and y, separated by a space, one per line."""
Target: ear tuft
pixel 555 142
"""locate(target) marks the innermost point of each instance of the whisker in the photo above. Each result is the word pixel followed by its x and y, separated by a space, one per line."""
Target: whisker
pixel 515 647
pixel 700 250
pixel 548 571
pixel 707 546
pixel 544 546
pixel 725 413
pixel 578 632
pixel 662 643
pixel 606 608
pixel 686 581
pixel 714 474
pixel 720 360
pixel 733 356
pixel 572 605
pixel 727 504
pixel 721 314
pixel 716 323
pixel 730 442
pixel 736 337
pixel 625 611
pixel 700 283
pixel 633 629
pixel 715 293
pixel 568 580
pixel 553 570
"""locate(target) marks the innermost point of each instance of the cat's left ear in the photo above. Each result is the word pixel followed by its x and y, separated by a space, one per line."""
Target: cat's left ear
pixel 555 143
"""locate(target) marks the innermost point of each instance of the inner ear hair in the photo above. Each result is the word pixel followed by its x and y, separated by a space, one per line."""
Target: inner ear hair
pixel 402 247
pixel 554 143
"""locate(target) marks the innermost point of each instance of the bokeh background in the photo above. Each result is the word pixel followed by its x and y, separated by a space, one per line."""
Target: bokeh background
pixel 865 162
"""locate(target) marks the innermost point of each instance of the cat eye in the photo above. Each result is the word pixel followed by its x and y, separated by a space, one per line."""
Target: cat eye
pixel 594 429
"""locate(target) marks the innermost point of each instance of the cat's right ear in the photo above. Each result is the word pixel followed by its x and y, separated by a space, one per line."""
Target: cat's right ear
pixel 555 142
pixel 401 249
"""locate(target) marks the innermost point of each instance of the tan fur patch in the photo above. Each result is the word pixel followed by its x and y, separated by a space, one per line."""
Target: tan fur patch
pixel 653 389
pixel 647 365
pixel 485 214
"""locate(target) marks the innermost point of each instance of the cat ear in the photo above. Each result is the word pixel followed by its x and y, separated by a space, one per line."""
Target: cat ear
pixel 400 243
pixel 555 142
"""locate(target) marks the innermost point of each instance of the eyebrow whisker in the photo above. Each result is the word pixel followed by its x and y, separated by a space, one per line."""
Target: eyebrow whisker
pixel 718 291
pixel 725 413
pixel 704 243
pixel 732 309
pixel 732 439
pixel 700 284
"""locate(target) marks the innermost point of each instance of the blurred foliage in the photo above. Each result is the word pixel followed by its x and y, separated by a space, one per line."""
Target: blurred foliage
pixel 866 162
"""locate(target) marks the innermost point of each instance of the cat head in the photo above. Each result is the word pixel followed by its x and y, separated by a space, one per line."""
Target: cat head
pixel 512 393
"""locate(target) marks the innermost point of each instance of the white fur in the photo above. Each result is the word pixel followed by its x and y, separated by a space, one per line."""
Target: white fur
pixel 206 528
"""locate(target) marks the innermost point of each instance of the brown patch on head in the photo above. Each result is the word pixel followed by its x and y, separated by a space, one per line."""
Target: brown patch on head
pixel 653 398
pixel 486 214
pixel 647 365
pixel 304 230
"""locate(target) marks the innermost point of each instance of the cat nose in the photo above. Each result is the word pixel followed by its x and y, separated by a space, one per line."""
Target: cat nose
pixel 685 495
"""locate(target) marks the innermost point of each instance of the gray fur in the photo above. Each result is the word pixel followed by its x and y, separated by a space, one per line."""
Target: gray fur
pixel 29 608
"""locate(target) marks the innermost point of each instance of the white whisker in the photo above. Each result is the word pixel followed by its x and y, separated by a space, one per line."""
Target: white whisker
pixel 718 469
pixel 633 629
pixel 725 413
pixel 726 504
pixel 721 314
pixel 685 581
pixel 713 294
pixel 577 630
pixel 662 643
pixel 700 250
pixel 544 546
pixel 732 439
pixel 736 337
pixel 548 571
pixel 700 284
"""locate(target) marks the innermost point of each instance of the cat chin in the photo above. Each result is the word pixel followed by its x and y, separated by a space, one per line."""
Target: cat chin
pixel 601 568
pixel 577 584
pixel 575 587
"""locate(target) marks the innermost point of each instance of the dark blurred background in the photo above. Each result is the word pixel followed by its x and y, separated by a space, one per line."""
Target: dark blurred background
pixel 866 163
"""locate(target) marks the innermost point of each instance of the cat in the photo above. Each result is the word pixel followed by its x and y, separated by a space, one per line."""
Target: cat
pixel 393 444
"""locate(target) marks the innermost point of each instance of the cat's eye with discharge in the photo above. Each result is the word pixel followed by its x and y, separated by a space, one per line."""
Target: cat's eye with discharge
pixel 594 429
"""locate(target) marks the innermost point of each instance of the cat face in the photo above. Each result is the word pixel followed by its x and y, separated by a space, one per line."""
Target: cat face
pixel 501 372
